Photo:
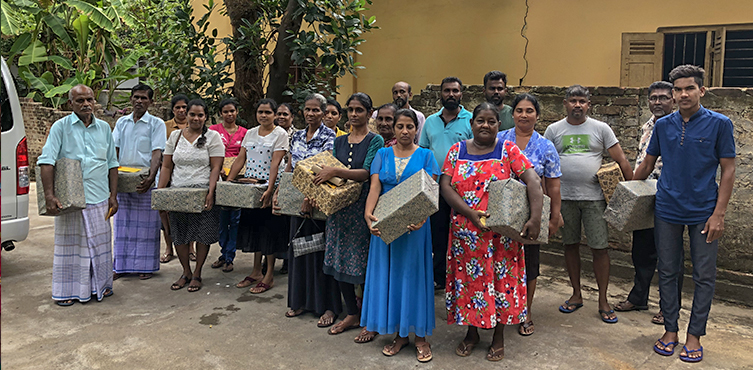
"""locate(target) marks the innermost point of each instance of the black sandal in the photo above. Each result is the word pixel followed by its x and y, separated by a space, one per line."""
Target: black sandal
pixel 523 328
pixel 177 285
pixel 195 288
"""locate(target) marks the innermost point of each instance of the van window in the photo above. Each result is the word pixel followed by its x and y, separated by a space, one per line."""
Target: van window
pixel 6 115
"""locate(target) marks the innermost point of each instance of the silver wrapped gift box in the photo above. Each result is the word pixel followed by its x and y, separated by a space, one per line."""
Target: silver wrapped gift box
pixel 509 211
pixel 609 176
pixel 410 202
pixel 329 197
pixel 129 181
pixel 290 199
pixel 632 205
pixel 68 186
pixel 238 195
pixel 187 200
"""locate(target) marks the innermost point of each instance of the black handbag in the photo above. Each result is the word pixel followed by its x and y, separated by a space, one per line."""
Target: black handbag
pixel 303 245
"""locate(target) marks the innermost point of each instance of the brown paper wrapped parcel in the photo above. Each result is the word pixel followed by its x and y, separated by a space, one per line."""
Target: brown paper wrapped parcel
pixel 632 205
pixel 68 186
pixel 238 195
pixel 187 200
pixel 290 199
pixel 129 181
pixel 609 176
pixel 509 211
pixel 329 198
pixel 409 203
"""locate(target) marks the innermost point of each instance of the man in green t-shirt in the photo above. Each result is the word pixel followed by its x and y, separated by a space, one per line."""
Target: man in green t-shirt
pixel 495 90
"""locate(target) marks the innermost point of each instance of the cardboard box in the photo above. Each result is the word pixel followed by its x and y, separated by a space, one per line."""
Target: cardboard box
pixel 237 195
pixel 329 198
pixel 68 186
pixel 609 176
pixel 410 202
pixel 227 163
pixel 632 205
pixel 128 181
pixel 509 210
pixel 290 199
pixel 187 200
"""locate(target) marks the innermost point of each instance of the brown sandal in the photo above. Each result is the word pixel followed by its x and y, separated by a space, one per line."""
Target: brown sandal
pixel 423 351
pixel 465 349
pixel 194 288
pixel 294 313
pixel 178 285
pixel 495 354
pixel 525 329
pixel 246 282
pixel 365 336
pixel 264 287
pixel 217 264
pixel 658 319
pixel 393 349
pixel 340 328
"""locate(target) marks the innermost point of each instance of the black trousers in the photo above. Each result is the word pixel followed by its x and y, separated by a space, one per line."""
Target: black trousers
pixel 644 260
pixel 440 232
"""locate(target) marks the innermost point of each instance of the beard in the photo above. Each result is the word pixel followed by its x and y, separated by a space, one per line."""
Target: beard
pixel 400 102
pixel 495 99
pixel 450 104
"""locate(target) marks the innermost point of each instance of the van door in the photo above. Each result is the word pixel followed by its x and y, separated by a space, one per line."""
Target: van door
pixel 8 159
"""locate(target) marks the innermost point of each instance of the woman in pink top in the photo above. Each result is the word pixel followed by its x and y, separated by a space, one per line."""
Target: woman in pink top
pixel 232 135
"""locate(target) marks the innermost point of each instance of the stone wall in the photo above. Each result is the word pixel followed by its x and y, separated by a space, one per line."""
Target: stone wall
pixel 625 110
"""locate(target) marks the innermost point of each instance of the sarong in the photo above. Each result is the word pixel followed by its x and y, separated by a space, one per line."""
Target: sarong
pixel 82 266
pixel 137 240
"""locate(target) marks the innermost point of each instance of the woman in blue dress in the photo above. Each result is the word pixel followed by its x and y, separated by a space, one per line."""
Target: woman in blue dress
pixel 399 290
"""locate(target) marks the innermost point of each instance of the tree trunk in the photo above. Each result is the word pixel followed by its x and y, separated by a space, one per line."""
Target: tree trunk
pixel 280 66
pixel 247 88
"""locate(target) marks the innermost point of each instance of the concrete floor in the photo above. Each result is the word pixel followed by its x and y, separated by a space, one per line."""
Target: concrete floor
pixel 145 325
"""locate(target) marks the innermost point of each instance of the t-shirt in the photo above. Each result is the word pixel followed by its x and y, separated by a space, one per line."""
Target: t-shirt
pixel 505 118
pixel 260 149
pixel 581 149
pixel 232 142
pixel 191 164
pixel 687 192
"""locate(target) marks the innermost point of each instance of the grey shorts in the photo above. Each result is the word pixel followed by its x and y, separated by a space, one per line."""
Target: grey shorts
pixel 589 213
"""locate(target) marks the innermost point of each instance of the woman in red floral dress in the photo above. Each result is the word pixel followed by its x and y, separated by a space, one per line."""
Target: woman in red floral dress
pixel 486 283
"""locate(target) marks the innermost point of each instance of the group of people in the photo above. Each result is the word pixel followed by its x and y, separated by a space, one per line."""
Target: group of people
pixel 388 288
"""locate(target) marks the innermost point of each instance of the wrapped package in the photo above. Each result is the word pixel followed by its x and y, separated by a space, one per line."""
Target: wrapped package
pixel 68 186
pixel 328 197
pixel 187 200
pixel 410 202
pixel 239 195
pixel 509 211
pixel 290 199
pixel 609 176
pixel 632 205
pixel 129 178
pixel 227 163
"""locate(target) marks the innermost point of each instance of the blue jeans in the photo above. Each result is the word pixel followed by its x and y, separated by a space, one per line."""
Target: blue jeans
pixel 669 247
pixel 229 219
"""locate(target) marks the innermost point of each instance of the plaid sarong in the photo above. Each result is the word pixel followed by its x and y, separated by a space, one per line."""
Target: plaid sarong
pixel 82 266
pixel 137 240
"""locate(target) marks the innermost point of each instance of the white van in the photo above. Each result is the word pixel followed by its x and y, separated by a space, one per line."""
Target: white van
pixel 15 164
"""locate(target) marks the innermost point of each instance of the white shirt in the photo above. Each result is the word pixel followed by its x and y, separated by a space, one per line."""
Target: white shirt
pixel 191 164
pixel 137 140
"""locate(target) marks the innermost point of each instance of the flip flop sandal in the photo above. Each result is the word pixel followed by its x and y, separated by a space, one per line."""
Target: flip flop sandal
pixel 365 336
pixel 246 282
pixel 262 285
pixel 524 327
pixel 606 319
pixel 145 276
pixel 65 303
pixel 177 285
pixel 465 349
pixel 217 264
pixel 423 352
pixel 195 288
pixel 565 308
pixel 108 292
pixel 166 258
pixel 687 358
pixel 495 354
pixel 294 313
pixel 658 319
pixel 618 307
pixel 334 330
pixel 322 325
pixel 392 346
pixel 228 267
pixel 665 351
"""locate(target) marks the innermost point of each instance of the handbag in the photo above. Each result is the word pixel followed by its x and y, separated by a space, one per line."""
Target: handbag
pixel 303 245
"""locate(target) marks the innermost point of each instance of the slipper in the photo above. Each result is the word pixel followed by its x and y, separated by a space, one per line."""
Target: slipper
pixel 658 319
pixel 228 267
pixel 116 276
pixel 294 313
pixel 620 307
pixel 167 257
pixel 107 293
pixel 423 352
pixel 391 351
pixel 65 303
pixel 495 354
pixel 217 264
pixel 607 319
pixel 687 358
pixel 145 276
pixel 665 352
pixel 337 329
pixel 465 349
pixel 246 282
pixel 322 324
pixel 192 256
pixel 365 336
pixel 524 327
pixel 194 288
pixel 565 308
pixel 177 285
pixel 261 285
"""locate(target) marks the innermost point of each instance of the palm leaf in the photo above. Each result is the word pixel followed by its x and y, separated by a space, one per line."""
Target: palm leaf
pixel 34 53
pixel 57 26
pixel 97 15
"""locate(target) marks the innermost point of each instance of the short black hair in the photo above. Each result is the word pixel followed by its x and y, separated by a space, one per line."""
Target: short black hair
pixel 659 85
pixel 494 76
pixel 688 70
pixel 482 107
pixel 388 105
pixel 577 90
pixel 225 102
pixel 176 99
pixel 451 79
pixel 143 87
pixel 337 105
pixel 526 96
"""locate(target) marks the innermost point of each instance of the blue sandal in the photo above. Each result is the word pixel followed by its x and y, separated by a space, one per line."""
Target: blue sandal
pixel 687 358
pixel 665 352
pixel 607 319
pixel 565 308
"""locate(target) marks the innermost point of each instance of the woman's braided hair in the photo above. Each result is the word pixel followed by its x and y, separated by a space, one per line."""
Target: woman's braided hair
pixel 203 138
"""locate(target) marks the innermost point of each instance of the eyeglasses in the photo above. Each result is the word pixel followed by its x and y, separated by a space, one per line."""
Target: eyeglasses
pixel 660 98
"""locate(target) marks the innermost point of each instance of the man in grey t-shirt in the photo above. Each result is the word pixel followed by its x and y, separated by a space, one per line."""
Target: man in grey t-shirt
pixel 581 143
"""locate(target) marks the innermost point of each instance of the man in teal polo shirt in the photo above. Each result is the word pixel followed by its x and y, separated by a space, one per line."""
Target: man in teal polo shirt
pixel 441 130
pixel 495 90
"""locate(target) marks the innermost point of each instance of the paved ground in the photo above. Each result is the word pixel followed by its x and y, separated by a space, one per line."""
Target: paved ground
pixel 145 325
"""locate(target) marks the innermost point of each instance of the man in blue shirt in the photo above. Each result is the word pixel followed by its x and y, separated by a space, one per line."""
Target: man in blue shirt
pixel 441 130
pixel 693 142
pixel 82 266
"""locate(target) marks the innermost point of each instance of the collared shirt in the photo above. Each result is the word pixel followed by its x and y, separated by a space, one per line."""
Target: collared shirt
pixel 646 131
pixel 323 139
pixel 421 120
pixel 540 151
pixel 171 125
pixel 92 145
pixel 439 138
pixel 505 118
pixel 137 140
pixel 686 193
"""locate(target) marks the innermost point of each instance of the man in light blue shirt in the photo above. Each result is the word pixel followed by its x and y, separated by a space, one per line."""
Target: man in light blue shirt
pixel 82 266
pixel 139 140
pixel 441 130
